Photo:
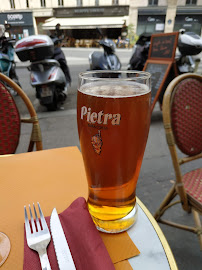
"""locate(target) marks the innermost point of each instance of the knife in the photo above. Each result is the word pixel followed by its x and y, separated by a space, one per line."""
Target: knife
pixel 64 257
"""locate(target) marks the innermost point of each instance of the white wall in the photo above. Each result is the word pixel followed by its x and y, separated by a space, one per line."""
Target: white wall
pixel 181 2
pixel 34 4
pixel 5 6
pixel 124 2
pixel 139 3
pixel 163 3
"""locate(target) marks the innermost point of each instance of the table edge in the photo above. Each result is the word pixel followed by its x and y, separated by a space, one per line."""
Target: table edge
pixel 164 242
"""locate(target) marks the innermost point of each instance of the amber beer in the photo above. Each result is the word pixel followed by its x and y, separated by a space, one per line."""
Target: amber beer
pixel 113 123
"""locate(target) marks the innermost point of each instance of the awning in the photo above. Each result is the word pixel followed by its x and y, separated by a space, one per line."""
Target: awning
pixel 85 23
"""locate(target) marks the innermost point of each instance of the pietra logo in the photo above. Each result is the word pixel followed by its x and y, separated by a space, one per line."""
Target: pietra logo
pixel 97 143
pixel 100 118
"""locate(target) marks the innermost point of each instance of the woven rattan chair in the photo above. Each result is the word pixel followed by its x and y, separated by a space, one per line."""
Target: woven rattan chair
pixel 10 122
pixel 182 117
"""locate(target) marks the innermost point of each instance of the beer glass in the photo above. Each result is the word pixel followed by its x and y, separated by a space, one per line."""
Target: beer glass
pixel 113 117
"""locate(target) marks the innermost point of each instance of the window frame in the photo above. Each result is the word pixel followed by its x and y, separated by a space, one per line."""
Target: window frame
pixel 115 2
pixel 12 4
pixel 152 3
pixel 43 3
pixel 191 3
pixel 60 3
pixel 79 3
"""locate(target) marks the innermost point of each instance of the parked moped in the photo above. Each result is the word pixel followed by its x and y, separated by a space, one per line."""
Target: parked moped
pixel 7 63
pixel 46 74
pixel 189 45
pixel 106 60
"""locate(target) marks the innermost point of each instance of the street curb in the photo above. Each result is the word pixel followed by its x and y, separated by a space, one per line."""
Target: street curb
pixel 21 65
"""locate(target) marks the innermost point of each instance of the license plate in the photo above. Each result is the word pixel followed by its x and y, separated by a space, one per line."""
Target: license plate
pixel 46 92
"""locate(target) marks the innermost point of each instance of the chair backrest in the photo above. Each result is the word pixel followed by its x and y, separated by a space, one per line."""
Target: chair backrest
pixel 9 122
pixel 10 119
pixel 182 117
pixel 182 113
pixel 186 115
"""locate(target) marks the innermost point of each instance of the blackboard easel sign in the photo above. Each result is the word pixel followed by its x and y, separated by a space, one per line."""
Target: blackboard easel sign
pixel 160 60
pixel 159 71
pixel 163 46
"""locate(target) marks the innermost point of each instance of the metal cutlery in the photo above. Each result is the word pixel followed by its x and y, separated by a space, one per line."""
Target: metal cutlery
pixel 63 254
pixel 38 235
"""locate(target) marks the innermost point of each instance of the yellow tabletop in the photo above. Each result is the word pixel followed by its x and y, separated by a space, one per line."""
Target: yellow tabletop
pixel 21 176
pixel 55 178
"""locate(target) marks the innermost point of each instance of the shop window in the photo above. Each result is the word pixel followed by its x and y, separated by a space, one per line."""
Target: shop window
pixel 43 3
pixel 96 2
pixel 190 2
pixel 27 2
pixel 115 2
pixel 79 3
pixel 12 3
pixel 191 23
pixel 60 3
pixel 153 2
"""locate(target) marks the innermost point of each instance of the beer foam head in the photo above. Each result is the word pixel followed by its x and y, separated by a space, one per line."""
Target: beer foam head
pixel 114 90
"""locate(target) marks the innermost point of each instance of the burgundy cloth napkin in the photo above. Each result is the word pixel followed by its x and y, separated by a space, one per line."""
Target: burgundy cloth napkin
pixel 87 248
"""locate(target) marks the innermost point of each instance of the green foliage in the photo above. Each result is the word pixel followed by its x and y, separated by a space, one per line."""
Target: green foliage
pixel 132 35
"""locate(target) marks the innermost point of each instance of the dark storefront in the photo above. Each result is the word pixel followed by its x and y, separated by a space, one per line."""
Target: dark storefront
pixel 83 31
pixel 21 23
pixel 111 33
pixel 189 19
pixel 151 20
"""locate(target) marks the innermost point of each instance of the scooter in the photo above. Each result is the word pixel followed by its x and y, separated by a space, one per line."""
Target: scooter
pixel 46 74
pixel 189 44
pixel 140 52
pixel 7 63
pixel 106 60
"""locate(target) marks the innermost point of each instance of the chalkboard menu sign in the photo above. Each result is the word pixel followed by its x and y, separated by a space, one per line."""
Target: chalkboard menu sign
pixel 163 46
pixel 161 58
pixel 159 71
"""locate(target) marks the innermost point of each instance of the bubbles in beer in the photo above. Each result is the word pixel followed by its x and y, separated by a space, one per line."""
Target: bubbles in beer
pixel 114 90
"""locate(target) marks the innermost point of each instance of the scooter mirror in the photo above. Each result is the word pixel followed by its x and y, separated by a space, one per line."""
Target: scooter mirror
pixel 100 32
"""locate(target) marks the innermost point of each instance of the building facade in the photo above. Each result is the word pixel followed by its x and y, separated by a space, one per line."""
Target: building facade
pixel 80 18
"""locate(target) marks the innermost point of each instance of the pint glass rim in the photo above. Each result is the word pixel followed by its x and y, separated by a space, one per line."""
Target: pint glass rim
pixel 85 75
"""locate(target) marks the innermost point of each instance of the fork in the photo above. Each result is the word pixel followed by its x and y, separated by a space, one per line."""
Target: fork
pixel 38 235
